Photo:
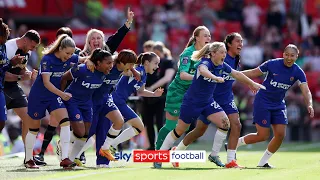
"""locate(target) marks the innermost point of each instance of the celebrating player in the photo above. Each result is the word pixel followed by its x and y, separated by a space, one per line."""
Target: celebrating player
pixel 269 105
pixel 182 81
pixel 199 97
pixel 45 94
pixel 84 83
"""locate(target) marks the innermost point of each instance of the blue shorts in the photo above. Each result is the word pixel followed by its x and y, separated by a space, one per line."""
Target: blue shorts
pixel 79 112
pixel 264 116
pixel 108 105
pixel 3 110
pixel 189 112
pixel 37 108
pixel 126 112
pixel 229 108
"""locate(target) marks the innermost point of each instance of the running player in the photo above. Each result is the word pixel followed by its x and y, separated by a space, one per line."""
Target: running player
pixel 178 87
pixel 45 95
pixel 5 65
pixel 199 97
pixel 15 97
pixel 148 63
pixel 51 128
pixel 224 97
pixel 84 83
pixel 104 109
pixel 269 105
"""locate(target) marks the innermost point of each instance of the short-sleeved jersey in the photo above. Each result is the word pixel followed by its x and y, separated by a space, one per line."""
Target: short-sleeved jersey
pixel 279 78
pixel 128 85
pixel 186 64
pixel 202 88
pixel 50 64
pixel 84 83
pixel 223 92
pixel 12 50
pixel 111 79
pixel 4 65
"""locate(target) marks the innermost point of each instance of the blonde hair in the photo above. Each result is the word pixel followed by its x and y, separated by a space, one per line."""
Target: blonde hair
pixel 206 50
pixel 62 41
pixel 87 49
pixel 292 46
pixel 195 33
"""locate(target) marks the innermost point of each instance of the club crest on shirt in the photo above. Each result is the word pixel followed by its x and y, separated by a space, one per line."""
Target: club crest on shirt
pixel 185 60
pixel 220 72
pixel 64 65
pixel 292 78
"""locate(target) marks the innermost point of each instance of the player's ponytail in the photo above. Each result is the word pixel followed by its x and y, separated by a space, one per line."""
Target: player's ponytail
pixel 4 30
pixel 63 41
pixel 206 50
pixel 99 55
pixel 147 56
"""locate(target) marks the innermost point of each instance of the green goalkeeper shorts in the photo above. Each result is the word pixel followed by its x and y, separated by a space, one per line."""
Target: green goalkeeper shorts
pixel 174 99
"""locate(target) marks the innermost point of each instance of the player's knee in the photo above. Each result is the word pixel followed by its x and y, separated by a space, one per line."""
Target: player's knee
pixel 225 123
pixel 118 123
pixel 235 126
pixel 199 131
pixel 264 137
pixel 280 135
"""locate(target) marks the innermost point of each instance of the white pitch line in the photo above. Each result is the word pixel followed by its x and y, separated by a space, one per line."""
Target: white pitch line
pixel 96 173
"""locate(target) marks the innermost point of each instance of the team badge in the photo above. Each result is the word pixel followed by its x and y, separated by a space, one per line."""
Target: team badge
pixel 220 72
pixel 264 121
pixel 185 60
pixel 292 78
pixel 64 65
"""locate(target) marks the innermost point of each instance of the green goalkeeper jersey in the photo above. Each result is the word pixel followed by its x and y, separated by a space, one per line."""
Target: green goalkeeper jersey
pixel 186 64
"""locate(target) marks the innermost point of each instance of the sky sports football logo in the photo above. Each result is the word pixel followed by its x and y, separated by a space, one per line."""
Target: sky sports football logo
pixel 142 156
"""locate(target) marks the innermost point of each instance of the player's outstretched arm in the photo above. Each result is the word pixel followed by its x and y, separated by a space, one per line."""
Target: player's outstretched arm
pixel 253 73
pixel 146 93
pixel 307 98
pixel 244 79
pixel 203 70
